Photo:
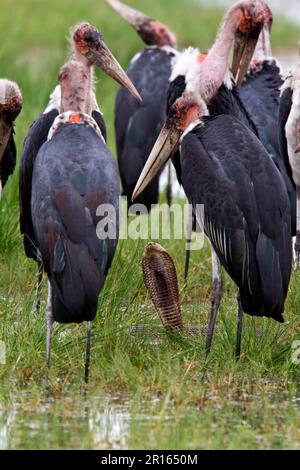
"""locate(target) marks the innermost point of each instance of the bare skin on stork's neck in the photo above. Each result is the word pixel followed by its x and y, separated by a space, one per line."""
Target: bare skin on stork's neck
pixel 76 87
pixel 216 63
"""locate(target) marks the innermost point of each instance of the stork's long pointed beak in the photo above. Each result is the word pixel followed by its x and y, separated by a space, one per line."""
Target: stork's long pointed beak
pixel 186 110
pixel 265 34
pixel 245 61
pixel 132 16
pixel 5 131
pixel 107 62
pixel 238 51
pixel 166 145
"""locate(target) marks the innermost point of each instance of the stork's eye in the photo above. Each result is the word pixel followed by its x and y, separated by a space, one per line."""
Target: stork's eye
pixel 63 75
pixel 88 36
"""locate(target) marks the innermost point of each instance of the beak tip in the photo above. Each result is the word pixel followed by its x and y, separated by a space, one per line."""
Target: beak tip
pixel 139 98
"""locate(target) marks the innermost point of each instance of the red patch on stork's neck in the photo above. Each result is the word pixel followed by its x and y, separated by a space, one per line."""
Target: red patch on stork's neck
pixel 75 118
pixel 189 116
pixel 201 57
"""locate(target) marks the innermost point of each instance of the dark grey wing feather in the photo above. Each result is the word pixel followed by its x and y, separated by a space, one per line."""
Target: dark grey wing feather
pixel 35 138
pixel 247 214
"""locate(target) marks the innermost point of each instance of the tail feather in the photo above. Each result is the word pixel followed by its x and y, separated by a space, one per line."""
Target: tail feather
pixel 272 282
pixel 77 286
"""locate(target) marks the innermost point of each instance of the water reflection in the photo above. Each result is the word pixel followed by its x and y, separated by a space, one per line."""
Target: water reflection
pixel 5 429
pixel 109 425
pixel 91 422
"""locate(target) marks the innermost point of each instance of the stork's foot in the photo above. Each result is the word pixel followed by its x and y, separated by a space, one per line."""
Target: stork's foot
pixel 88 351
pixel 239 329
pixel 215 304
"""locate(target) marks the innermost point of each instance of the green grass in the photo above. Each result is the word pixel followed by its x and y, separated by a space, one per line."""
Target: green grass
pixel 147 390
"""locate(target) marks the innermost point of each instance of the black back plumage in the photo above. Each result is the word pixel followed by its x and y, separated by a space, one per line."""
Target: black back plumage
pixel 226 101
pixel 261 95
pixel 138 125
pixel 175 90
pixel 98 117
pixel 8 161
pixel 247 213
pixel 74 173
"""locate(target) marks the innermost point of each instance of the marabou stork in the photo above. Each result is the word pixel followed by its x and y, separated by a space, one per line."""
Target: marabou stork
pixel 289 139
pixel 79 176
pixel 260 93
pixel 137 125
pixel 10 107
pixel 74 173
pixel 89 48
pixel 247 214
pixel 210 75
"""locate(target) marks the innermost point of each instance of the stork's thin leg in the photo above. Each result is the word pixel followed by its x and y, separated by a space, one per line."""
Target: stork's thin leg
pixel 39 286
pixel 215 300
pixel 88 351
pixel 169 185
pixel 239 328
pixel 49 323
pixel 297 242
pixel 188 246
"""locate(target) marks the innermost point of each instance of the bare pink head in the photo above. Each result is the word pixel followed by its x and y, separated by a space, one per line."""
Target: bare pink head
pixel 89 48
pixel 153 33
pixel 254 16
pixel 10 107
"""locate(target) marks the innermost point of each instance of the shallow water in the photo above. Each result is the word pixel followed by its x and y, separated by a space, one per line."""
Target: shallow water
pixel 121 422
pixel 98 423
